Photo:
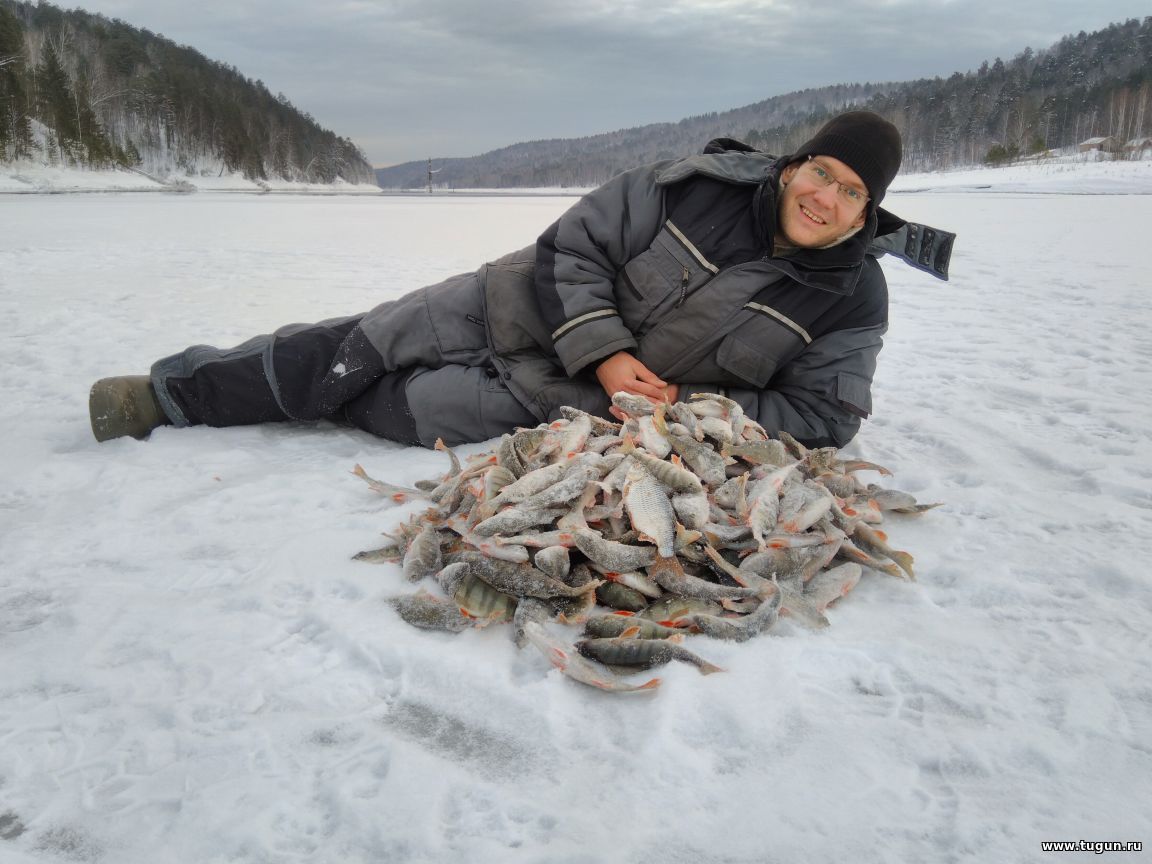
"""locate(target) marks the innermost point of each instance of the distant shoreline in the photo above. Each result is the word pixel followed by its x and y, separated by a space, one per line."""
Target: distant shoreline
pixel 1058 176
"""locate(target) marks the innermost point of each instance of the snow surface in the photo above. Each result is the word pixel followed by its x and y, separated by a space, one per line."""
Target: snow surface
pixel 194 670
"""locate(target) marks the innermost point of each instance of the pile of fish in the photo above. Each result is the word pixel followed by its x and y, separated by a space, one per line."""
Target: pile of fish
pixel 682 519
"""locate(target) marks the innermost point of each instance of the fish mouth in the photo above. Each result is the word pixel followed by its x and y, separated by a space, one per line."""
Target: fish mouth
pixel 812 216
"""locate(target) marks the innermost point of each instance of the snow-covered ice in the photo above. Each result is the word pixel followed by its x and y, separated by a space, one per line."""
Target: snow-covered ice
pixel 193 669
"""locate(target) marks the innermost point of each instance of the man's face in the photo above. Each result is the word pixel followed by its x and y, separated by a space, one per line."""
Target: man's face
pixel 812 214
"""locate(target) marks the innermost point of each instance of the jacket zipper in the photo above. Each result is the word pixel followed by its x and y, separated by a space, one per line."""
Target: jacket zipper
pixel 684 279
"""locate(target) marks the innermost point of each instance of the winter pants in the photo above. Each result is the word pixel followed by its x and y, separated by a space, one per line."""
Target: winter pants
pixel 408 371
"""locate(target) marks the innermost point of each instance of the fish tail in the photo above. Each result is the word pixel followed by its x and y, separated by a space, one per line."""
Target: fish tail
pixel 904 560
pixel 687 536
pixel 918 508
pixel 658 419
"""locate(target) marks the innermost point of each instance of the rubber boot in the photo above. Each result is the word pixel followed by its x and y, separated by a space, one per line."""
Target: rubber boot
pixel 125 405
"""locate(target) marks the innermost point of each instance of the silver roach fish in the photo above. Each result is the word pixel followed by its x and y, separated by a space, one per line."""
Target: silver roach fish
pixel 682 522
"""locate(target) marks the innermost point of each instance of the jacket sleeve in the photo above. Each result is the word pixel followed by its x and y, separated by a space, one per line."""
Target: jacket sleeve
pixel 578 259
pixel 821 395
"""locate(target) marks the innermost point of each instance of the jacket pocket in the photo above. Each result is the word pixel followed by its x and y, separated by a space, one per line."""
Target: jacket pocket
pixel 662 277
pixel 456 313
pixel 745 362
pixel 757 348
pixel 512 310
pixel 854 393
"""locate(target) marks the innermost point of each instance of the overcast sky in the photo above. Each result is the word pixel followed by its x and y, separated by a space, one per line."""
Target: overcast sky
pixel 408 79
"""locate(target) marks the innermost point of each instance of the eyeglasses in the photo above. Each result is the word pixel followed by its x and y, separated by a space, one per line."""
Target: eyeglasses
pixel 850 195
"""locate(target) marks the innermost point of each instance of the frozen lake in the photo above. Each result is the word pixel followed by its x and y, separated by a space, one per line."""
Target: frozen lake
pixel 194 670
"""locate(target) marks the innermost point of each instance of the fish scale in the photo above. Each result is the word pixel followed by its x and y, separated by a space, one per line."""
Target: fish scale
pixel 650 510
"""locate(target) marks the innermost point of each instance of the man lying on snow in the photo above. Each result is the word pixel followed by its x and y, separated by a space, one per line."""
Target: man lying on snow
pixel 732 271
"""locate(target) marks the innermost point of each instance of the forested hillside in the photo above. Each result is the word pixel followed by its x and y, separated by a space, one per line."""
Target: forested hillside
pixel 1087 85
pixel 81 89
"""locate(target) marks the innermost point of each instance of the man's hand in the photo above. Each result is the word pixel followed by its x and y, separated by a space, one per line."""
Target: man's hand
pixel 624 372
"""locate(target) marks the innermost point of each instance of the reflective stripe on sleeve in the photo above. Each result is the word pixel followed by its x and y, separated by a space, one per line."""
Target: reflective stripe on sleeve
pixel 583 319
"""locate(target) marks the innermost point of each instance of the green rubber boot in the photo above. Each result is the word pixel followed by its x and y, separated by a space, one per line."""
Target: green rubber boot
pixel 125 405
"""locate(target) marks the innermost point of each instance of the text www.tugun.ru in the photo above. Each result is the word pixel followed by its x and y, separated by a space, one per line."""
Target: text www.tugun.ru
pixel 1099 847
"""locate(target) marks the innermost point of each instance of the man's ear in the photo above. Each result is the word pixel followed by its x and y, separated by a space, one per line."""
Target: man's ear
pixel 788 173
pixel 861 218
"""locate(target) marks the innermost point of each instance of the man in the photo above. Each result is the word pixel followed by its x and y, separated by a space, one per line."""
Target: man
pixel 732 271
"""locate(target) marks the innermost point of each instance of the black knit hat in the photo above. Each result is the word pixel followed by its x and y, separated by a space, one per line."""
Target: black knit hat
pixel 865 142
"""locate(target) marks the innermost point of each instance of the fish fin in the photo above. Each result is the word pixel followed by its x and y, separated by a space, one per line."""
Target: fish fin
pixel 686 537
pixel 768 589
pixel 492 618
pixel 883 535
pixel 632 632
pixel 852 465
pixel 891 568
pixel 650 685
pixel 658 419
pixel 622 612
pixel 917 509
pixel 904 560
pixel 676 638
pixel 707 668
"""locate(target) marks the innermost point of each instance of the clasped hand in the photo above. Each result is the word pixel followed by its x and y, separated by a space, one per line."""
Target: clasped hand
pixel 624 372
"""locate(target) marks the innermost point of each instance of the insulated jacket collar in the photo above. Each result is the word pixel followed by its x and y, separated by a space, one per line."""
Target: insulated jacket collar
pixel 836 269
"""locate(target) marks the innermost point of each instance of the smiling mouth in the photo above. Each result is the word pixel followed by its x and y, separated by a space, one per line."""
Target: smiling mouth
pixel 812 216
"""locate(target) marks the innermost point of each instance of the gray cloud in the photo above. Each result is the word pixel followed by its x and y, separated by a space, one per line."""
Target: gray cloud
pixel 407 79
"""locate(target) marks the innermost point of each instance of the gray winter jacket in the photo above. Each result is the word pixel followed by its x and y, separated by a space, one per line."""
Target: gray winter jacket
pixel 672 261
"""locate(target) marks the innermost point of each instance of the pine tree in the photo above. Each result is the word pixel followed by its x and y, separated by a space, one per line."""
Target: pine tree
pixel 56 105
pixel 15 126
